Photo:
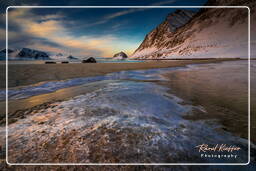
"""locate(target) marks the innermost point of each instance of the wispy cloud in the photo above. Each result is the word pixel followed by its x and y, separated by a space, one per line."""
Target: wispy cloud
pixel 133 10
pixel 163 3
pixel 107 18
pixel 51 28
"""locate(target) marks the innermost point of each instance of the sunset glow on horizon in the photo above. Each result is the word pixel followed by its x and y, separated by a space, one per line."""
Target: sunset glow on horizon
pixel 82 32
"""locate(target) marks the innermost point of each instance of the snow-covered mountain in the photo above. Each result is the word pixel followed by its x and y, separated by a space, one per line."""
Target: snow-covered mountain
pixel 3 51
pixel 25 53
pixel 2 54
pixel 61 56
pixel 10 53
pixel 158 37
pixel 120 55
pixel 210 33
pixel 31 53
pixel 70 57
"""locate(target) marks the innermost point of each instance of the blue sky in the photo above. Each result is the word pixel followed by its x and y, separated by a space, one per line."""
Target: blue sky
pixel 84 32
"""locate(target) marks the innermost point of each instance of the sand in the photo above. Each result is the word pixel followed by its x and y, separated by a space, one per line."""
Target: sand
pixel 224 101
pixel 26 74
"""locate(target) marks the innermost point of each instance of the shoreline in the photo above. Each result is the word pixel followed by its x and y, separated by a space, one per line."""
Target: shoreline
pixel 213 112
pixel 19 106
pixel 18 109
pixel 27 74
pixel 228 108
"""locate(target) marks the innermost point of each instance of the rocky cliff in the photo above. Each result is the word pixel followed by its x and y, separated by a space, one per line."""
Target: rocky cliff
pixel 210 33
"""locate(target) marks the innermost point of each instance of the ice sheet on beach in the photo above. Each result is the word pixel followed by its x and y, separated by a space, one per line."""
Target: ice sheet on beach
pixel 134 119
pixel 125 121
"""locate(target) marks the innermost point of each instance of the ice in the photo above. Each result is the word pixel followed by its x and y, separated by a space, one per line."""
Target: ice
pixel 123 119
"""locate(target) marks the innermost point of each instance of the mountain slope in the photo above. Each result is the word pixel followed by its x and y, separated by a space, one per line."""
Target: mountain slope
pixel 211 33
pixel 157 38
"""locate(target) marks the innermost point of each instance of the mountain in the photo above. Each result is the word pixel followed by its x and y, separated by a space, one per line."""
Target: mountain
pixel 62 56
pixel 31 53
pixel 2 54
pixel 178 19
pixel 25 53
pixel 159 36
pixel 71 57
pixel 59 55
pixel 4 51
pixel 11 53
pixel 120 55
pixel 212 32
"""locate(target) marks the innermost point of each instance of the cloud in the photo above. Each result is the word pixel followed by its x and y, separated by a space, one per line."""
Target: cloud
pixel 124 12
pixel 133 10
pixel 43 29
pixel 35 31
pixel 107 18
pixel 163 3
pixel 45 47
pixel 52 17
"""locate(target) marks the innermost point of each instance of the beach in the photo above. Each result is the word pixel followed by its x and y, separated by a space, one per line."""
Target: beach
pixel 26 74
pixel 33 73
pixel 157 111
pixel 152 87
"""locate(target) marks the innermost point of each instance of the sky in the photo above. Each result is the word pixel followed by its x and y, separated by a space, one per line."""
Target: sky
pixel 82 32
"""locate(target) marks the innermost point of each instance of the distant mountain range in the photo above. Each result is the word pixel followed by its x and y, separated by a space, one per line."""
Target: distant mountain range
pixel 209 33
pixel 32 54
pixel 25 53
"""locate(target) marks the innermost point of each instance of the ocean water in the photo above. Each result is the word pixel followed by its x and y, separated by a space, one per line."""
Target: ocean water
pixel 132 119
pixel 51 86
pixel 146 75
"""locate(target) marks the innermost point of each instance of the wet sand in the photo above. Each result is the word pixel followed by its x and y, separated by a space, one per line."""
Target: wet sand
pixel 26 74
pixel 18 109
pixel 223 93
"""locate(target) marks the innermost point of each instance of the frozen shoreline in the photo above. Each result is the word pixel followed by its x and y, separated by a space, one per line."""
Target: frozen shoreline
pixel 139 104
